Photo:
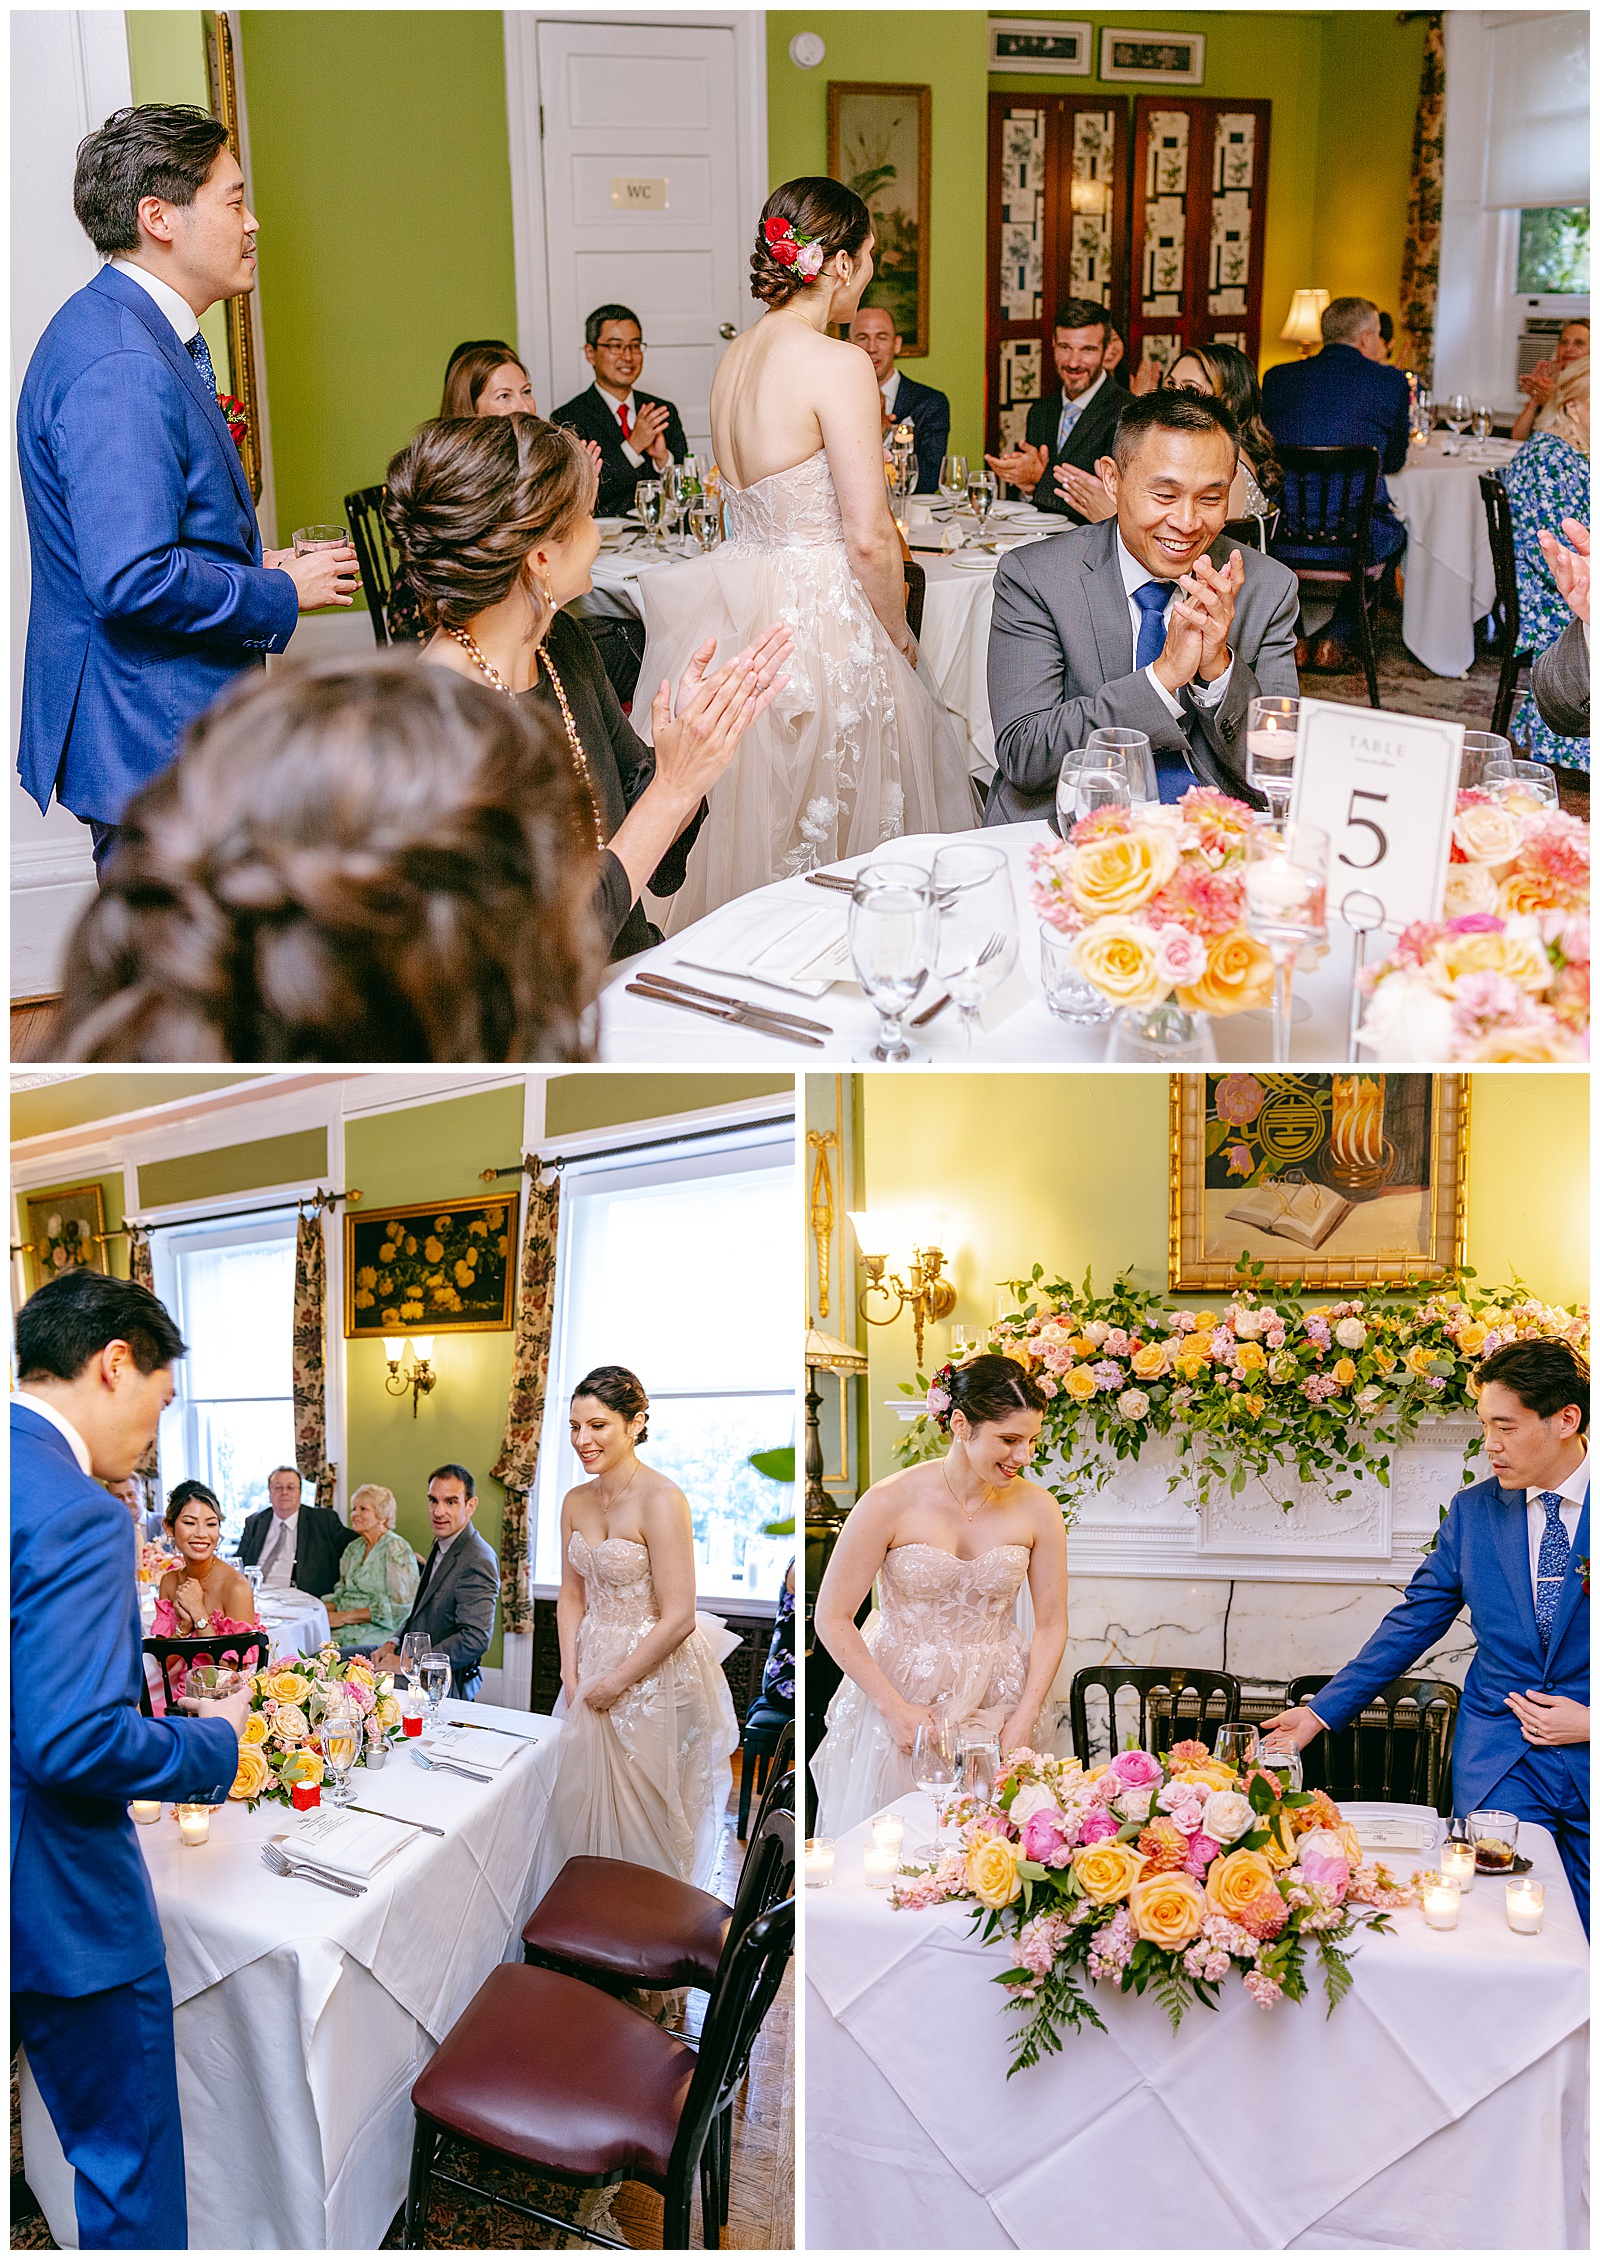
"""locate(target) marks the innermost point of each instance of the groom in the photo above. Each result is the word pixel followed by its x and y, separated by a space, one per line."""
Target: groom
pixel 1514 1551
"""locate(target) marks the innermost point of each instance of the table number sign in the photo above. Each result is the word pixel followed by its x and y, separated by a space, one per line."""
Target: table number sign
pixel 1383 788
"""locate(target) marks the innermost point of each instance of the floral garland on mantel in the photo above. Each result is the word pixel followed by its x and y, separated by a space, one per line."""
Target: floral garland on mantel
pixel 1328 1391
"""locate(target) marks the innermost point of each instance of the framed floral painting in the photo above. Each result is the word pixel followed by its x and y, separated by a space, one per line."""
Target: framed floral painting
pixel 66 1232
pixel 879 143
pixel 1337 1180
pixel 437 1267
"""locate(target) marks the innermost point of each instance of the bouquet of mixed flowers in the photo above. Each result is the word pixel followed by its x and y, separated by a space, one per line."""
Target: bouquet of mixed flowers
pixel 281 1743
pixel 1504 974
pixel 1160 1873
pixel 1327 1390
pixel 1154 899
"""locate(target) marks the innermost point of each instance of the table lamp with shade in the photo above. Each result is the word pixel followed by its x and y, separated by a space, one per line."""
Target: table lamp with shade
pixel 824 1354
pixel 1304 326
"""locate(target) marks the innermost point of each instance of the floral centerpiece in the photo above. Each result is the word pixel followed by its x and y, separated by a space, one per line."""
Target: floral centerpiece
pixel 280 1745
pixel 1326 1390
pixel 1154 901
pixel 1504 973
pixel 1161 1874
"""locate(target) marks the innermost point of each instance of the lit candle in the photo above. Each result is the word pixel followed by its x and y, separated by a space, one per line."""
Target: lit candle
pixel 819 1862
pixel 410 1714
pixel 888 1832
pixel 1278 885
pixel 145 1810
pixel 304 1796
pixel 1524 1904
pixel 1458 1864
pixel 194 1823
pixel 1441 1904
pixel 880 1864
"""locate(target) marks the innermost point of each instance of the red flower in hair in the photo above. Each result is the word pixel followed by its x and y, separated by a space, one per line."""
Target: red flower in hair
pixel 785 252
pixel 776 229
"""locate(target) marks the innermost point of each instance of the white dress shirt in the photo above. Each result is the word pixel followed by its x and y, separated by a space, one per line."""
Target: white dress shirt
pixel 1573 1489
pixel 33 1404
pixel 614 407
pixel 281 1569
pixel 1134 576
pixel 172 303
pixel 891 391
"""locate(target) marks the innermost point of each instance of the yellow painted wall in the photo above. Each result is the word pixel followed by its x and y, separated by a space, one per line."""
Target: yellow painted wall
pixel 110 1201
pixel 580 1103
pixel 91 1098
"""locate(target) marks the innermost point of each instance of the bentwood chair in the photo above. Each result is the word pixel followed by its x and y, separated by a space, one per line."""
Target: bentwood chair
pixel 1175 1703
pixel 545 2072
pixel 243 1651
pixel 1324 531
pixel 1397 1750
pixel 1502 548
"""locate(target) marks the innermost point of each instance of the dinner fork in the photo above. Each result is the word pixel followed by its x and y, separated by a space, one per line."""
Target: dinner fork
pixel 448 1765
pixel 991 949
pixel 274 1857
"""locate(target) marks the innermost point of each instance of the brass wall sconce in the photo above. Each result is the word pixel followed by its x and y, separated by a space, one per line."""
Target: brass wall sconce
pixel 421 1377
pixel 929 1295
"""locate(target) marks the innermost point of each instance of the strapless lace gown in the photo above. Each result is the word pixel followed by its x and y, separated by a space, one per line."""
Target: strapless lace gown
pixel 857 750
pixel 946 1633
pixel 647 1780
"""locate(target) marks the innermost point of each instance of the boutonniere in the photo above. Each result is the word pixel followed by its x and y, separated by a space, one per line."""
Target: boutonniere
pixel 1583 1573
pixel 234 416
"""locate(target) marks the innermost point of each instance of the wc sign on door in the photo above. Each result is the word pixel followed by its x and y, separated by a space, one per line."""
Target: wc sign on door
pixel 632 195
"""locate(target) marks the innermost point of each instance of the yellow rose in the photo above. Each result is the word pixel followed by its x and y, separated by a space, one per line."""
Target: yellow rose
pixel 1237 1878
pixel 1250 1357
pixel 1081 1346
pixel 1487 833
pixel 1118 872
pixel 254 1730
pixel 1080 1384
pixel 1472 1338
pixel 1210 1771
pixel 361 1671
pixel 388 1712
pixel 1280 1851
pixel 1384 1360
pixel 289 1686
pixel 252 1776
pixel 1518 953
pixel 1118 957
pixel 1149 1360
pixel 1108 1871
pixel 1237 978
pixel 992 1871
pixel 290 1723
pixel 1420 1361
pixel 302 1766
pixel 1168 1910
pixel 1523 891
pixel 1344 1371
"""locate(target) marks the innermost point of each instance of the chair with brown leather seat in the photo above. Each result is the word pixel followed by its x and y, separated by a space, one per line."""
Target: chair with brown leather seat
pixel 553 2075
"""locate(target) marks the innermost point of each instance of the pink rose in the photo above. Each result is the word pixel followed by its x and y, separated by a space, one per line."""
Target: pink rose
pixel 1043 1833
pixel 1203 1850
pixel 1180 957
pixel 1329 1871
pixel 1096 1825
pixel 1136 1769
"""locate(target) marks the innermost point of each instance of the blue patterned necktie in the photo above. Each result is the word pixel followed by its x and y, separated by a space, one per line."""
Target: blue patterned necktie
pixel 200 354
pixel 1555 1551
pixel 1173 776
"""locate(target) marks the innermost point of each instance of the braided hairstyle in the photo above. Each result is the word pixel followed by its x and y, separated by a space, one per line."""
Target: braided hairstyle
pixel 368 859
pixel 619 1391
pixel 471 496
pixel 819 210
pixel 984 1388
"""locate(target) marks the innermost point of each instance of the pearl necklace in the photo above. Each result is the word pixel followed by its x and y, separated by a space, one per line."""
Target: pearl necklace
pixel 580 763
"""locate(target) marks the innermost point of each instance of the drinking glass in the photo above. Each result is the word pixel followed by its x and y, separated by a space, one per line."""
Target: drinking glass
pixel 1271 742
pixel 1237 1744
pixel 705 521
pixel 434 1673
pixel 1458 412
pixel 1286 906
pixel 1482 420
pixel 1483 755
pixel 1085 785
pixel 341 1741
pixel 309 538
pixel 413 1648
pixel 1066 992
pixel 935 1769
pixel 1494 1840
pixel 1283 1759
pixel 891 946
pixel 672 499
pixel 983 491
pixel 1137 759
pixel 980 1764
pixel 647 501
pixel 1161 1035
pixel 1529 787
pixel 975 938
pixel 953 477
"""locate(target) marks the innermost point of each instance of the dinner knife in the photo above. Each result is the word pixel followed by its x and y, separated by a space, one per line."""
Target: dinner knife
pixel 745 1004
pixel 399 1819
pixel 745 1017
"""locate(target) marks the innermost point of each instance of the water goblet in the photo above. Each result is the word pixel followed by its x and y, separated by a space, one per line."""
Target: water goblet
pixel 1271 742
pixel 1237 1744
pixel 983 491
pixel 434 1673
pixel 975 938
pixel 1482 420
pixel 935 1768
pixel 341 1741
pixel 648 498
pixel 953 477
pixel 413 1648
pixel 890 932
pixel 1484 755
pixel 1085 785
pixel 1137 759
pixel 1458 413
pixel 1286 906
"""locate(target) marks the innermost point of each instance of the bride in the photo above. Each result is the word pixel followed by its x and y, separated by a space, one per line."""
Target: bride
pixel 857 750
pixel 642 1771
pixel 948 1544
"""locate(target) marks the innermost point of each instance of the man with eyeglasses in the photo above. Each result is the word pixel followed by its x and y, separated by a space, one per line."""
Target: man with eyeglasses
pixel 637 434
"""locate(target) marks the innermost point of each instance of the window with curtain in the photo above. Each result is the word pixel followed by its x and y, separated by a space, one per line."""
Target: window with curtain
pixel 1553 252
pixel 231 1421
pixel 683 1266
pixel 1538 141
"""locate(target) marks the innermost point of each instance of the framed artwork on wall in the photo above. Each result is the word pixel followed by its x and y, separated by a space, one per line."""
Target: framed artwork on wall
pixel 66 1232
pixel 879 144
pixel 436 1267
pixel 1033 44
pixel 1339 1180
pixel 244 409
pixel 1198 228
pixel 1179 57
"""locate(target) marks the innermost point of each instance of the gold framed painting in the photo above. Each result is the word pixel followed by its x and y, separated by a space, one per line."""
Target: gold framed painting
pixel 66 1231
pixel 435 1267
pixel 1340 1180
pixel 241 335
pixel 879 143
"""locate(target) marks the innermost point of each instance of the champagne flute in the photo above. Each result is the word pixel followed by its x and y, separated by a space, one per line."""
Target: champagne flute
pixel 975 938
pixel 1271 742
pixel 341 1742
pixel 891 946
pixel 953 477
pixel 1286 906
pixel 936 1771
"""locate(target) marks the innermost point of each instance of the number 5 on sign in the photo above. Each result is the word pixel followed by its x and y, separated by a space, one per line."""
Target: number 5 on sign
pixel 1383 788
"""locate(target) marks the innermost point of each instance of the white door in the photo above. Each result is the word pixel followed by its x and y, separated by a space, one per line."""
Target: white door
pixel 642 200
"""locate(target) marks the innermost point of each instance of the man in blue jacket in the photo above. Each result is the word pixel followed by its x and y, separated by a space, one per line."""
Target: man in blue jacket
pixel 904 400
pixel 1514 1551
pixel 90 1999
pixel 150 587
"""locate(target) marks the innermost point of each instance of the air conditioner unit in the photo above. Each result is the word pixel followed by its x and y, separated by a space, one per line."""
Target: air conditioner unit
pixel 1539 337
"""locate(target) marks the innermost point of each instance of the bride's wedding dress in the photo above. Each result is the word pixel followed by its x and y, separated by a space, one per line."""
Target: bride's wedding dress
pixel 947 1634
pixel 857 750
pixel 648 1780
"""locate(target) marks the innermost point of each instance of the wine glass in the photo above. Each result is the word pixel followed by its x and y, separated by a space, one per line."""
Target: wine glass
pixel 975 939
pixel 1271 743
pixel 1286 906
pixel 1482 420
pixel 647 501
pixel 891 946
pixel 1237 1745
pixel 935 1769
pixel 1484 755
pixel 341 1740
pixel 1137 759
pixel 434 1673
pixel 1528 788
pixel 1084 785
pixel 953 477
pixel 983 491
pixel 413 1648
pixel 1458 413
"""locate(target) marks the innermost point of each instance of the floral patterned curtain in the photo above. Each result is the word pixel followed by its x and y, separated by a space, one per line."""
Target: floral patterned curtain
pixel 310 1371
pixel 530 1371
pixel 1419 272
pixel 143 1274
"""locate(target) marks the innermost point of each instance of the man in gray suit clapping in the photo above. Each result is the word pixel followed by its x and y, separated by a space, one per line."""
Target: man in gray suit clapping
pixel 460 1585
pixel 1153 620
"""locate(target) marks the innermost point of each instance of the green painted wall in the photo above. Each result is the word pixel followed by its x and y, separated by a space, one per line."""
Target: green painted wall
pixel 167 63
pixel 91 1098
pixel 1371 71
pixel 576 1103
pixel 288 1160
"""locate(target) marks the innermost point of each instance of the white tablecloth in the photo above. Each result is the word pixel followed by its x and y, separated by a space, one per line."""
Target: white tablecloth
pixel 633 1027
pixel 1449 570
pixel 298 1622
pixel 1441 2106
pixel 303 2018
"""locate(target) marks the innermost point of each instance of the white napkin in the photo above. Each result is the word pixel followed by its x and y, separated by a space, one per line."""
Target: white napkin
pixel 799 946
pixel 1393 1828
pixel 486 1749
pixel 351 1844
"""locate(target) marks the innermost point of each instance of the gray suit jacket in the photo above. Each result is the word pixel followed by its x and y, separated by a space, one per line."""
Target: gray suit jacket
pixel 455 1607
pixel 1561 683
pixel 1061 664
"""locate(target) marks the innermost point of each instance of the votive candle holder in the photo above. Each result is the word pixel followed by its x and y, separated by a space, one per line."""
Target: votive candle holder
pixel 1458 1864
pixel 818 1862
pixel 1441 1904
pixel 880 1864
pixel 1525 1904
pixel 146 1810
pixel 194 1823
pixel 889 1831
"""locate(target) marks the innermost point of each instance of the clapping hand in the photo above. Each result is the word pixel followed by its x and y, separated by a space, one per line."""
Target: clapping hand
pixel 1207 604
pixel 1023 468
pixel 1539 381
pixel 1086 492
pixel 694 747
pixel 1146 378
pixel 1549 1720
pixel 1569 568
pixel 649 433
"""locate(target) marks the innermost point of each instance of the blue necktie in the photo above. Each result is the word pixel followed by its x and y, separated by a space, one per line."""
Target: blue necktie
pixel 1555 1550
pixel 1071 410
pixel 200 354
pixel 1173 776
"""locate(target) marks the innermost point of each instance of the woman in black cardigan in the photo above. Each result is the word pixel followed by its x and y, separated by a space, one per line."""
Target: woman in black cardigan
pixel 494 522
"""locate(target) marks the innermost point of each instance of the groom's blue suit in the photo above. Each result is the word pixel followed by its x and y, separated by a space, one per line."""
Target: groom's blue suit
pixel 1481 1564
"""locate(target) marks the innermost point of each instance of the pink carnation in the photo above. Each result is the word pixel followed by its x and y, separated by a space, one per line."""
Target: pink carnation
pixel 1100 824
pixel 1206 902
pixel 1265 1915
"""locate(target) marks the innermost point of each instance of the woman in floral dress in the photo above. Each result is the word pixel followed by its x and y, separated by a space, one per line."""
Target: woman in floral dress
pixel 1547 480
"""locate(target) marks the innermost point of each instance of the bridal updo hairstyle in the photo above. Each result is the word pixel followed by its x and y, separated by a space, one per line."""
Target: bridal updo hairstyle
pixel 987 1388
pixel 814 206
pixel 184 1494
pixel 471 497
pixel 619 1391
pixel 368 859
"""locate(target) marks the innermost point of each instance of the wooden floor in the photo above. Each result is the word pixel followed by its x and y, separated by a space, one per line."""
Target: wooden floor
pixel 31 1026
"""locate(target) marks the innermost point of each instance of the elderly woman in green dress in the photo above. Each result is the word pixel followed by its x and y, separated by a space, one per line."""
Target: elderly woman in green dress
pixel 377 1573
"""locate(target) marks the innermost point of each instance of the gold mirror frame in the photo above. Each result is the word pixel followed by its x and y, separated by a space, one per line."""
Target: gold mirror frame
pixel 241 340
